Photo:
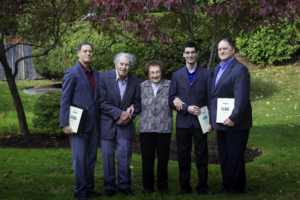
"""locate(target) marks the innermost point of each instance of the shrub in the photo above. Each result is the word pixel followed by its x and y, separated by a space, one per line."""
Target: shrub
pixel 107 45
pixel 266 45
pixel 46 111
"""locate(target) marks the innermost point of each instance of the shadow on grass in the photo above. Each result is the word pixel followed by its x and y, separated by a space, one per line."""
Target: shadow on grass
pixel 280 133
pixel 261 88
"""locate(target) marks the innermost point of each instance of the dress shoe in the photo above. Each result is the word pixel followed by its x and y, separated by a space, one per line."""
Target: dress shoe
pixel 221 192
pixel 147 191
pixel 94 194
pixel 109 193
pixel 184 192
pixel 82 196
pixel 203 192
pixel 127 191
pixel 164 192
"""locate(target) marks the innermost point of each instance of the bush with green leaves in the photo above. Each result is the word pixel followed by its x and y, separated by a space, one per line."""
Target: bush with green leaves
pixel 267 45
pixel 107 44
pixel 46 111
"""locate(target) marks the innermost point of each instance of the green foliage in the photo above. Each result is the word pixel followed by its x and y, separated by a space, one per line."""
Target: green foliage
pixel 46 111
pixel 266 45
pixel 107 44
pixel 9 117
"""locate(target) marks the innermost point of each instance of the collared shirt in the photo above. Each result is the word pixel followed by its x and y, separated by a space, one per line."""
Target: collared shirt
pixel 90 76
pixel 191 75
pixel 122 85
pixel 155 87
pixel 222 69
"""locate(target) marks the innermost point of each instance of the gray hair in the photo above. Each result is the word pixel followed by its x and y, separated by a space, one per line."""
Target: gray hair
pixel 84 43
pixel 128 55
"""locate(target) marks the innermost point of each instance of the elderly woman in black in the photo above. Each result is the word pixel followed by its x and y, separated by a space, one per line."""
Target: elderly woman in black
pixel 156 126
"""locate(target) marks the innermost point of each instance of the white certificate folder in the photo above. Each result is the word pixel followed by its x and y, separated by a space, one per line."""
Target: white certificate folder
pixel 224 108
pixel 77 117
pixel 204 119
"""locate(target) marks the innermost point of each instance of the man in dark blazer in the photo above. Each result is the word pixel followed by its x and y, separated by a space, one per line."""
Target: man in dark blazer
pixel 190 84
pixel 119 89
pixel 80 87
pixel 231 80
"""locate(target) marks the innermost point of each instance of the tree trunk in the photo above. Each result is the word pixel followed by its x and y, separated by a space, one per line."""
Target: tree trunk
pixel 213 42
pixel 10 79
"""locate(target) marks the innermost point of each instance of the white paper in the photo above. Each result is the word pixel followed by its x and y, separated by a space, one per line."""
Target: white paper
pixel 204 119
pixel 224 108
pixel 74 118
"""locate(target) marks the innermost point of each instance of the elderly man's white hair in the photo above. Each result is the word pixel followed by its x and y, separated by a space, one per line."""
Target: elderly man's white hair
pixel 128 55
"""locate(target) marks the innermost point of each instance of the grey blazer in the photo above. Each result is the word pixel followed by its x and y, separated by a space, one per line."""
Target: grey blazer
pixel 111 106
pixel 156 115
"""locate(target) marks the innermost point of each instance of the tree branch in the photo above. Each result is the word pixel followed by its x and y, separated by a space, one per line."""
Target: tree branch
pixel 12 46
pixel 227 30
pixel 43 53
pixel 2 37
pixel 4 4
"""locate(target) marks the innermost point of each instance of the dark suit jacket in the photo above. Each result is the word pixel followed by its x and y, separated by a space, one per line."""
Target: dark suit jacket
pixel 196 94
pixel 76 90
pixel 111 105
pixel 234 83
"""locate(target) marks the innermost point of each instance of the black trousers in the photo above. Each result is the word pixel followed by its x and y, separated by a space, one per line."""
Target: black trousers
pixel 184 148
pixel 231 147
pixel 150 142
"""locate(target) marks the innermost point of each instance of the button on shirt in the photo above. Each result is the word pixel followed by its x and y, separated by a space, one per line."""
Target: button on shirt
pixel 122 85
pixel 222 69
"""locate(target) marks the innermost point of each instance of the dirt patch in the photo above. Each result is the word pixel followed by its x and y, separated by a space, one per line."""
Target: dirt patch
pixel 41 140
pixel 242 59
pixel 294 62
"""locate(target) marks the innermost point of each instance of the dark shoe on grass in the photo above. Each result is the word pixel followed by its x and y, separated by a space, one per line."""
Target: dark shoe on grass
pixel 220 192
pixel 181 192
pixel 164 192
pixel 127 192
pixel 95 194
pixel 145 191
pixel 82 196
pixel 109 193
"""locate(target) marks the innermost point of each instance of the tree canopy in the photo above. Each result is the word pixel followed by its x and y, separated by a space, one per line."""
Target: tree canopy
pixel 38 23
pixel 213 18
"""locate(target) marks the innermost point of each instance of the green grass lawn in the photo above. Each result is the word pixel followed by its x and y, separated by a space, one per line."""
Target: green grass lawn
pixel 47 173
pixel 8 118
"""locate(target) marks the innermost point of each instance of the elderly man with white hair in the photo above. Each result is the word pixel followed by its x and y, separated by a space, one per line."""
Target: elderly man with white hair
pixel 119 103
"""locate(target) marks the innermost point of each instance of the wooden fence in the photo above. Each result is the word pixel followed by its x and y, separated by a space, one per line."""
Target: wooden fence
pixel 26 70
